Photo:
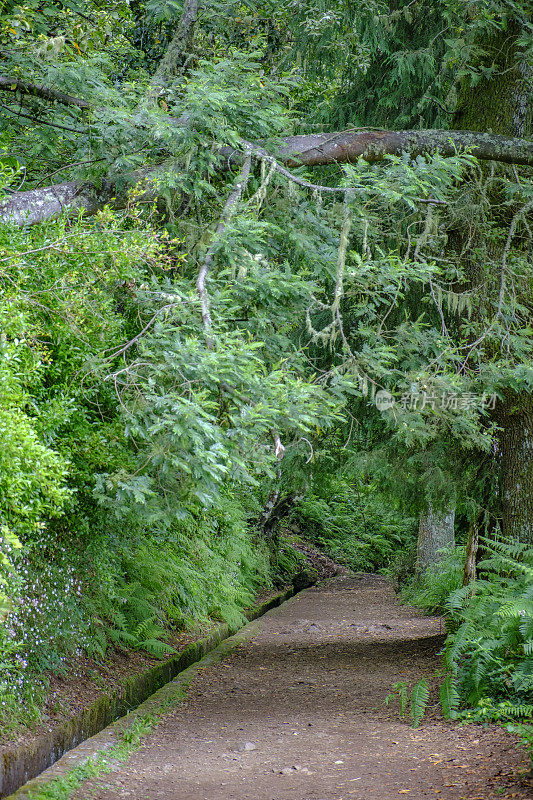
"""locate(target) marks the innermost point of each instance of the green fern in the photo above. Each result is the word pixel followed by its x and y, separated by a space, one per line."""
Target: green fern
pixel 419 701
pixel 157 648
pixel 122 637
pixel 525 733
pixel 416 702
pixel 489 653
pixel 519 711
pixel 449 698
pixel 399 690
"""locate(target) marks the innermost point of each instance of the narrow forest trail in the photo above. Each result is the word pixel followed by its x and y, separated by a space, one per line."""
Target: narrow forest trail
pixel 296 712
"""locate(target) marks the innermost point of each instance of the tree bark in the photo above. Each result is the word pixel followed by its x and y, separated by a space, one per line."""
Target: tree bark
pixel 470 572
pixel 502 103
pixel 40 205
pixel 228 211
pixel 515 417
pixel 175 57
pixel 435 531
pixel 8 84
pixel 347 147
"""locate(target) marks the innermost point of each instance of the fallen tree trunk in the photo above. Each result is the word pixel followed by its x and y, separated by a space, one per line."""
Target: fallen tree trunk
pixel 311 150
pixel 40 205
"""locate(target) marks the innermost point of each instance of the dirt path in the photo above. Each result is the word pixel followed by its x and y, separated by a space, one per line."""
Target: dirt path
pixel 297 713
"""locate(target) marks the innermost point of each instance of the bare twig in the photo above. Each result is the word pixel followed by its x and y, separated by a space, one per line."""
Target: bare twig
pixel 520 214
pixel 424 236
pixel 389 310
pixel 317 187
pixel 311 454
pixel 439 309
pixel 67 166
pixel 227 212
pixel 141 333
pixel 279 448
pixel 51 246
pixel 20 113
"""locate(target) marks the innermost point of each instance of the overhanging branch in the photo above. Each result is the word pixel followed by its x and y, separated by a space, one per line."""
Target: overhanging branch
pixel 8 84
pixel 345 147
pixel 228 211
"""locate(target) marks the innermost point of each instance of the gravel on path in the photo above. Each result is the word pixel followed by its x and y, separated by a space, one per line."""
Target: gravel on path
pixel 298 713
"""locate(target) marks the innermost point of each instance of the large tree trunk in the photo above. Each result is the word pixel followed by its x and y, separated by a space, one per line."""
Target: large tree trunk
pixel 502 103
pixel 174 60
pixel 472 545
pixel 515 417
pixel 435 531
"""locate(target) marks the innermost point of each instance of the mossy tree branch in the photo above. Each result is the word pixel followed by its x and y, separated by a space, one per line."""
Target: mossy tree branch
pixel 344 147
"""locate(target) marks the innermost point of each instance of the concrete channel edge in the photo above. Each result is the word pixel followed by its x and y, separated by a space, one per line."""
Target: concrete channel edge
pixel 21 767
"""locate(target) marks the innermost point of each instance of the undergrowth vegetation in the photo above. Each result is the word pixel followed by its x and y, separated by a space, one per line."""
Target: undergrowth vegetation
pixel 209 333
pixel 91 556
pixel 489 649
pixel 354 523
pixel 431 589
pixel 122 590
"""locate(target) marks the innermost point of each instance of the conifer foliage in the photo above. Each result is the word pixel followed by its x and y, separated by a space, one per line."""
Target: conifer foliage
pixel 253 256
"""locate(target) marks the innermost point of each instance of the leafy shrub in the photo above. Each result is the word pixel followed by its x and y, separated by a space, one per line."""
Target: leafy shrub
pixel 489 654
pixel 431 589
pixel 355 525
pixel 125 588
pixel 110 553
pixel 287 561
pixel 491 650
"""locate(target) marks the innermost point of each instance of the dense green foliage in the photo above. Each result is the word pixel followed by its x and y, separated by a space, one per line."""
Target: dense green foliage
pixel 488 656
pixel 139 408
pixel 355 524
pixel 93 569
pixel 432 589
pixel 495 623
pixel 490 652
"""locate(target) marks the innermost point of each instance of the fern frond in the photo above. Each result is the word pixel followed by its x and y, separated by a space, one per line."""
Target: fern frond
pixel 157 648
pixel 419 700
pixel 449 698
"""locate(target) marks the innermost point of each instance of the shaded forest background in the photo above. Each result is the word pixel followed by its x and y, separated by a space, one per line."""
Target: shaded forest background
pixel 234 310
